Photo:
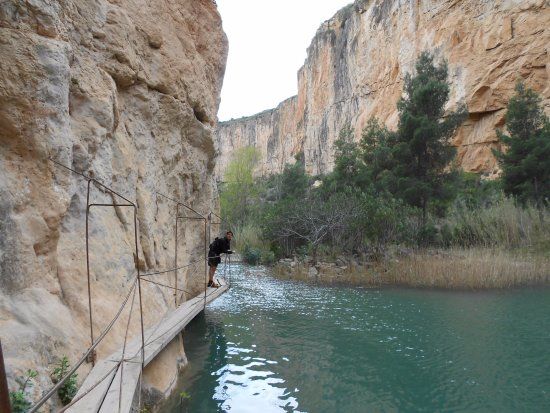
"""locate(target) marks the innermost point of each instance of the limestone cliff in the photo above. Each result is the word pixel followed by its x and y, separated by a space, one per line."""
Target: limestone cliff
pixel 357 60
pixel 125 91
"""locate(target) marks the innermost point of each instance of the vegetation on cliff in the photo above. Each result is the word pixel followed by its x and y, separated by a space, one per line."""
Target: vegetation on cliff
pixel 395 197
pixel 526 163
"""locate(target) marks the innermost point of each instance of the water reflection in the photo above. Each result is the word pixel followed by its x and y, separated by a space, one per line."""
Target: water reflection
pixel 280 346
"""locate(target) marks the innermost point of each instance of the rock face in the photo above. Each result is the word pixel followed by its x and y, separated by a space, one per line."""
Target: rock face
pixel 125 91
pixel 357 61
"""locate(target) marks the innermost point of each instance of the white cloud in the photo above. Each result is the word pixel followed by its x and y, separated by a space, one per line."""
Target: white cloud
pixel 267 45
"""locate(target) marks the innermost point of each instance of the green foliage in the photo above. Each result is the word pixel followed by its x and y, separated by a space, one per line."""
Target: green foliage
pixel 384 220
pixel 255 256
pixel 474 192
pixel 413 162
pixel 376 147
pixel 255 249
pixel 500 223
pixel 421 151
pixel 18 398
pixel 252 255
pixel 295 182
pixel 69 388
pixel 348 220
pixel 526 162
pixel 349 168
pixel 239 191
pixel 399 188
pixel 19 402
pixel 268 257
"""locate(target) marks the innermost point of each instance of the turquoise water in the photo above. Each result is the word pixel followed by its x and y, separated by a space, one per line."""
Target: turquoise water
pixel 281 346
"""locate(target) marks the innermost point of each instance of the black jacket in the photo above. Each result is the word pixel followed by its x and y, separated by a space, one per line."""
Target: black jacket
pixel 219 246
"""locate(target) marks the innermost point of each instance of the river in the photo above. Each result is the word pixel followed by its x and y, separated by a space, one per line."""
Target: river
pixel 281 346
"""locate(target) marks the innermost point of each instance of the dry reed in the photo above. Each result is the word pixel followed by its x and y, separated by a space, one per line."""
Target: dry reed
pixel 468 269
pixel 471 269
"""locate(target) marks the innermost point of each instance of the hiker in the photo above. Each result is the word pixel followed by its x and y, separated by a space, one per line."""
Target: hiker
pixel 217 248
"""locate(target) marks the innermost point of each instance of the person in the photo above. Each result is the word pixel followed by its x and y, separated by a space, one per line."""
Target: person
pixel 217 248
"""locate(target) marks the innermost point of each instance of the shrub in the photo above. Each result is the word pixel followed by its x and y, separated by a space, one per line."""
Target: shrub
pixel 68 390
pixel 251 255
pixel 18 399
pixel 239 192
pixel 246 236
pixel 251 243
pixel 427 235
pixel 385 220
pixel 267 257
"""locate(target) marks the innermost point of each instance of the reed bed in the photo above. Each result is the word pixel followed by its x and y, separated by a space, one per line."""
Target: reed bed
pixel 466 269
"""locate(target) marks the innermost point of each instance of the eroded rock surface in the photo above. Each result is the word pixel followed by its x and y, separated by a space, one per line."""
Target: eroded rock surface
pixel 125 91
pixel 355 68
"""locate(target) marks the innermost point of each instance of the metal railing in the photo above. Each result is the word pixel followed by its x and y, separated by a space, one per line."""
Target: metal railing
pixel 89 354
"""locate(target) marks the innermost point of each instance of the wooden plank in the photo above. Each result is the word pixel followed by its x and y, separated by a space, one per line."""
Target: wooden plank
pixel 105 397
pixel 92 401
pixel 130 380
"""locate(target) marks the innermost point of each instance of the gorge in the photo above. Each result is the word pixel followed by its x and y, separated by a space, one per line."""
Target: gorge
pixel 355 67
pixel 126 92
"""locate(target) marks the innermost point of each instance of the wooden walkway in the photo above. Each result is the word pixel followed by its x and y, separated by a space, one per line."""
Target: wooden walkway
pixel 105 397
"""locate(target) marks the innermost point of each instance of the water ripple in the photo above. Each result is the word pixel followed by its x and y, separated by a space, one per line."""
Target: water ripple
pixel 283 346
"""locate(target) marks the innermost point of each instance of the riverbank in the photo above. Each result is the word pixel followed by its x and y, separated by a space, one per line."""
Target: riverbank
pixel 470 269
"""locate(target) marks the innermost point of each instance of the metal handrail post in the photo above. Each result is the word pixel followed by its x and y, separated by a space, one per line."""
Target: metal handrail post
pixel 209 227
pixel 88 268
pixel 176 260
pixel 5 405
pixel 206 244
pixel 139 289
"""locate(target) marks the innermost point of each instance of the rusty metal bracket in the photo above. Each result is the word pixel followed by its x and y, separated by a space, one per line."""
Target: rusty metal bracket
pixel 198 217
pixel 89 205
pixel 4 392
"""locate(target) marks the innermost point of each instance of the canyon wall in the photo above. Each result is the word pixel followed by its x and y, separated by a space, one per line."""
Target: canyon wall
pixel 124 91
pixel 357 61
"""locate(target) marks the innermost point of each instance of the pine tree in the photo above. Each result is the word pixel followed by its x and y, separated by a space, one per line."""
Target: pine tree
pixel 348 165
pixel 422 150
pixel 526 161
pixel 376 152
pixel 294 180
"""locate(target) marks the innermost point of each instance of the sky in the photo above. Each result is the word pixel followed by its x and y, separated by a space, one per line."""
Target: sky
pixel 267 45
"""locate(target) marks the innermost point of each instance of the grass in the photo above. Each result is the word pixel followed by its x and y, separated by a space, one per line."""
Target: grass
pixel 503 224
pixel 469 269
pixel 456 268
pixel 250 244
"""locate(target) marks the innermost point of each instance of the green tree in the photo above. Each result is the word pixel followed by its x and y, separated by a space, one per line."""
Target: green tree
pixel 349 168
pixel 294 180
pixel 422 151
pixel 526 161
pixel 376 153
pixel 239 190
